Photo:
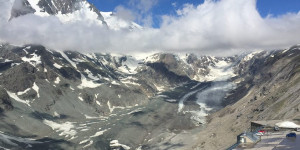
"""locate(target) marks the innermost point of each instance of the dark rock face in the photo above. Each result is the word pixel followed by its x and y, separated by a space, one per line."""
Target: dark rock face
pixel 54 6
pixel 5 102
pixel 88 98
pixel 162 73
pixel 18 78
pixel 69 73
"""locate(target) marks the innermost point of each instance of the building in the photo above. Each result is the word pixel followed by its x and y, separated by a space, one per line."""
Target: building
pixel 265 124
pixel 270 125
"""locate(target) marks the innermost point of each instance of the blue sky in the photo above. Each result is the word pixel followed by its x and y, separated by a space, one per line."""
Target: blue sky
pixel 223 27
pixel 169 7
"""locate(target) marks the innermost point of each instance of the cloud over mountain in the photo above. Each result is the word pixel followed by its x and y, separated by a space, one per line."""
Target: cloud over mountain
pixel 214 27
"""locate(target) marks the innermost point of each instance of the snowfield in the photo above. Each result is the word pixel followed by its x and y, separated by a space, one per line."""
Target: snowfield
pixel 66 129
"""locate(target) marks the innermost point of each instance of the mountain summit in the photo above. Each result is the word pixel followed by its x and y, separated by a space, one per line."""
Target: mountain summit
pixel 54 99
pixel 71 11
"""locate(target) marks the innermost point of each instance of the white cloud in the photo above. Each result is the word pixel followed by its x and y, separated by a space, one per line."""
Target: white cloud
pixel 174 4
pixel 186 9
pixel 142 9
pixel 125 13
pixel 143 5
pixel 214 27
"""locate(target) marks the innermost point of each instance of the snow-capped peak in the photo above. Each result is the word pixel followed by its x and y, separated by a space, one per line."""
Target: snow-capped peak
pixel 68 11
pixel 73 11
pixel 117 23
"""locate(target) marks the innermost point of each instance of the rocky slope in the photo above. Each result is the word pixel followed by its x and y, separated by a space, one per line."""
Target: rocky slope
pixel 61 91
pixel 53 99
pixel 70 96
pixel 268 89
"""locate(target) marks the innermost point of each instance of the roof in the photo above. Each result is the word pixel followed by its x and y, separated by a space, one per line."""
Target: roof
pixel 273 123
pixel 270 123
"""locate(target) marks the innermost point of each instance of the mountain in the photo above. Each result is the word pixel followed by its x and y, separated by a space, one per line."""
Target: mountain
pixel 51 99
pixel 74 98
pixel 67 91
pixel 267 85
pixel 72 11
pixel 116 23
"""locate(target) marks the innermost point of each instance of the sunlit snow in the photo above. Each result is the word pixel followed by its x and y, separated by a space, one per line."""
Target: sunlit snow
pixel 66 129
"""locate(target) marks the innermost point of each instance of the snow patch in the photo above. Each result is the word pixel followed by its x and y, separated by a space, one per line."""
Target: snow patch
pixel 99 133
pixel 195 86
pixel 251 55
pixel 171 100
pixel 55 114
pixel 7 60
pixel 25 51
pixel 89 144
pixel 116 144
pixel 130 80
pixel 84 141
pixel 89 139
pixel 57 66
pixel 87 83
pixel 78 60
pixel 90 117
pixel 152 59
pixel 80 98
pixel 36 89
pixel 23 92
pixel 67 58
pixel 38 11
pixel 135 111
pixel 90 75
pixel 15 97
pixel 115 83
pixel 66 128
pixel 129 66
pixel 98 103
pixel 34 60
pixel 111 108
pixel 159 88
pixel 96 95
pixel 57 80
pixel 91 55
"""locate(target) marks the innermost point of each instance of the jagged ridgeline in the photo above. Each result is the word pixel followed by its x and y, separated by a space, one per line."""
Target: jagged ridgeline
pixel 74 100
pixel 51 99
pixel 71 10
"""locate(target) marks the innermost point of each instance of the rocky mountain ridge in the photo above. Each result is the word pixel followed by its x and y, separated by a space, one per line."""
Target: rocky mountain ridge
pixel 71 11
pixel 51 87
pixel 70 100
pixel 267 86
